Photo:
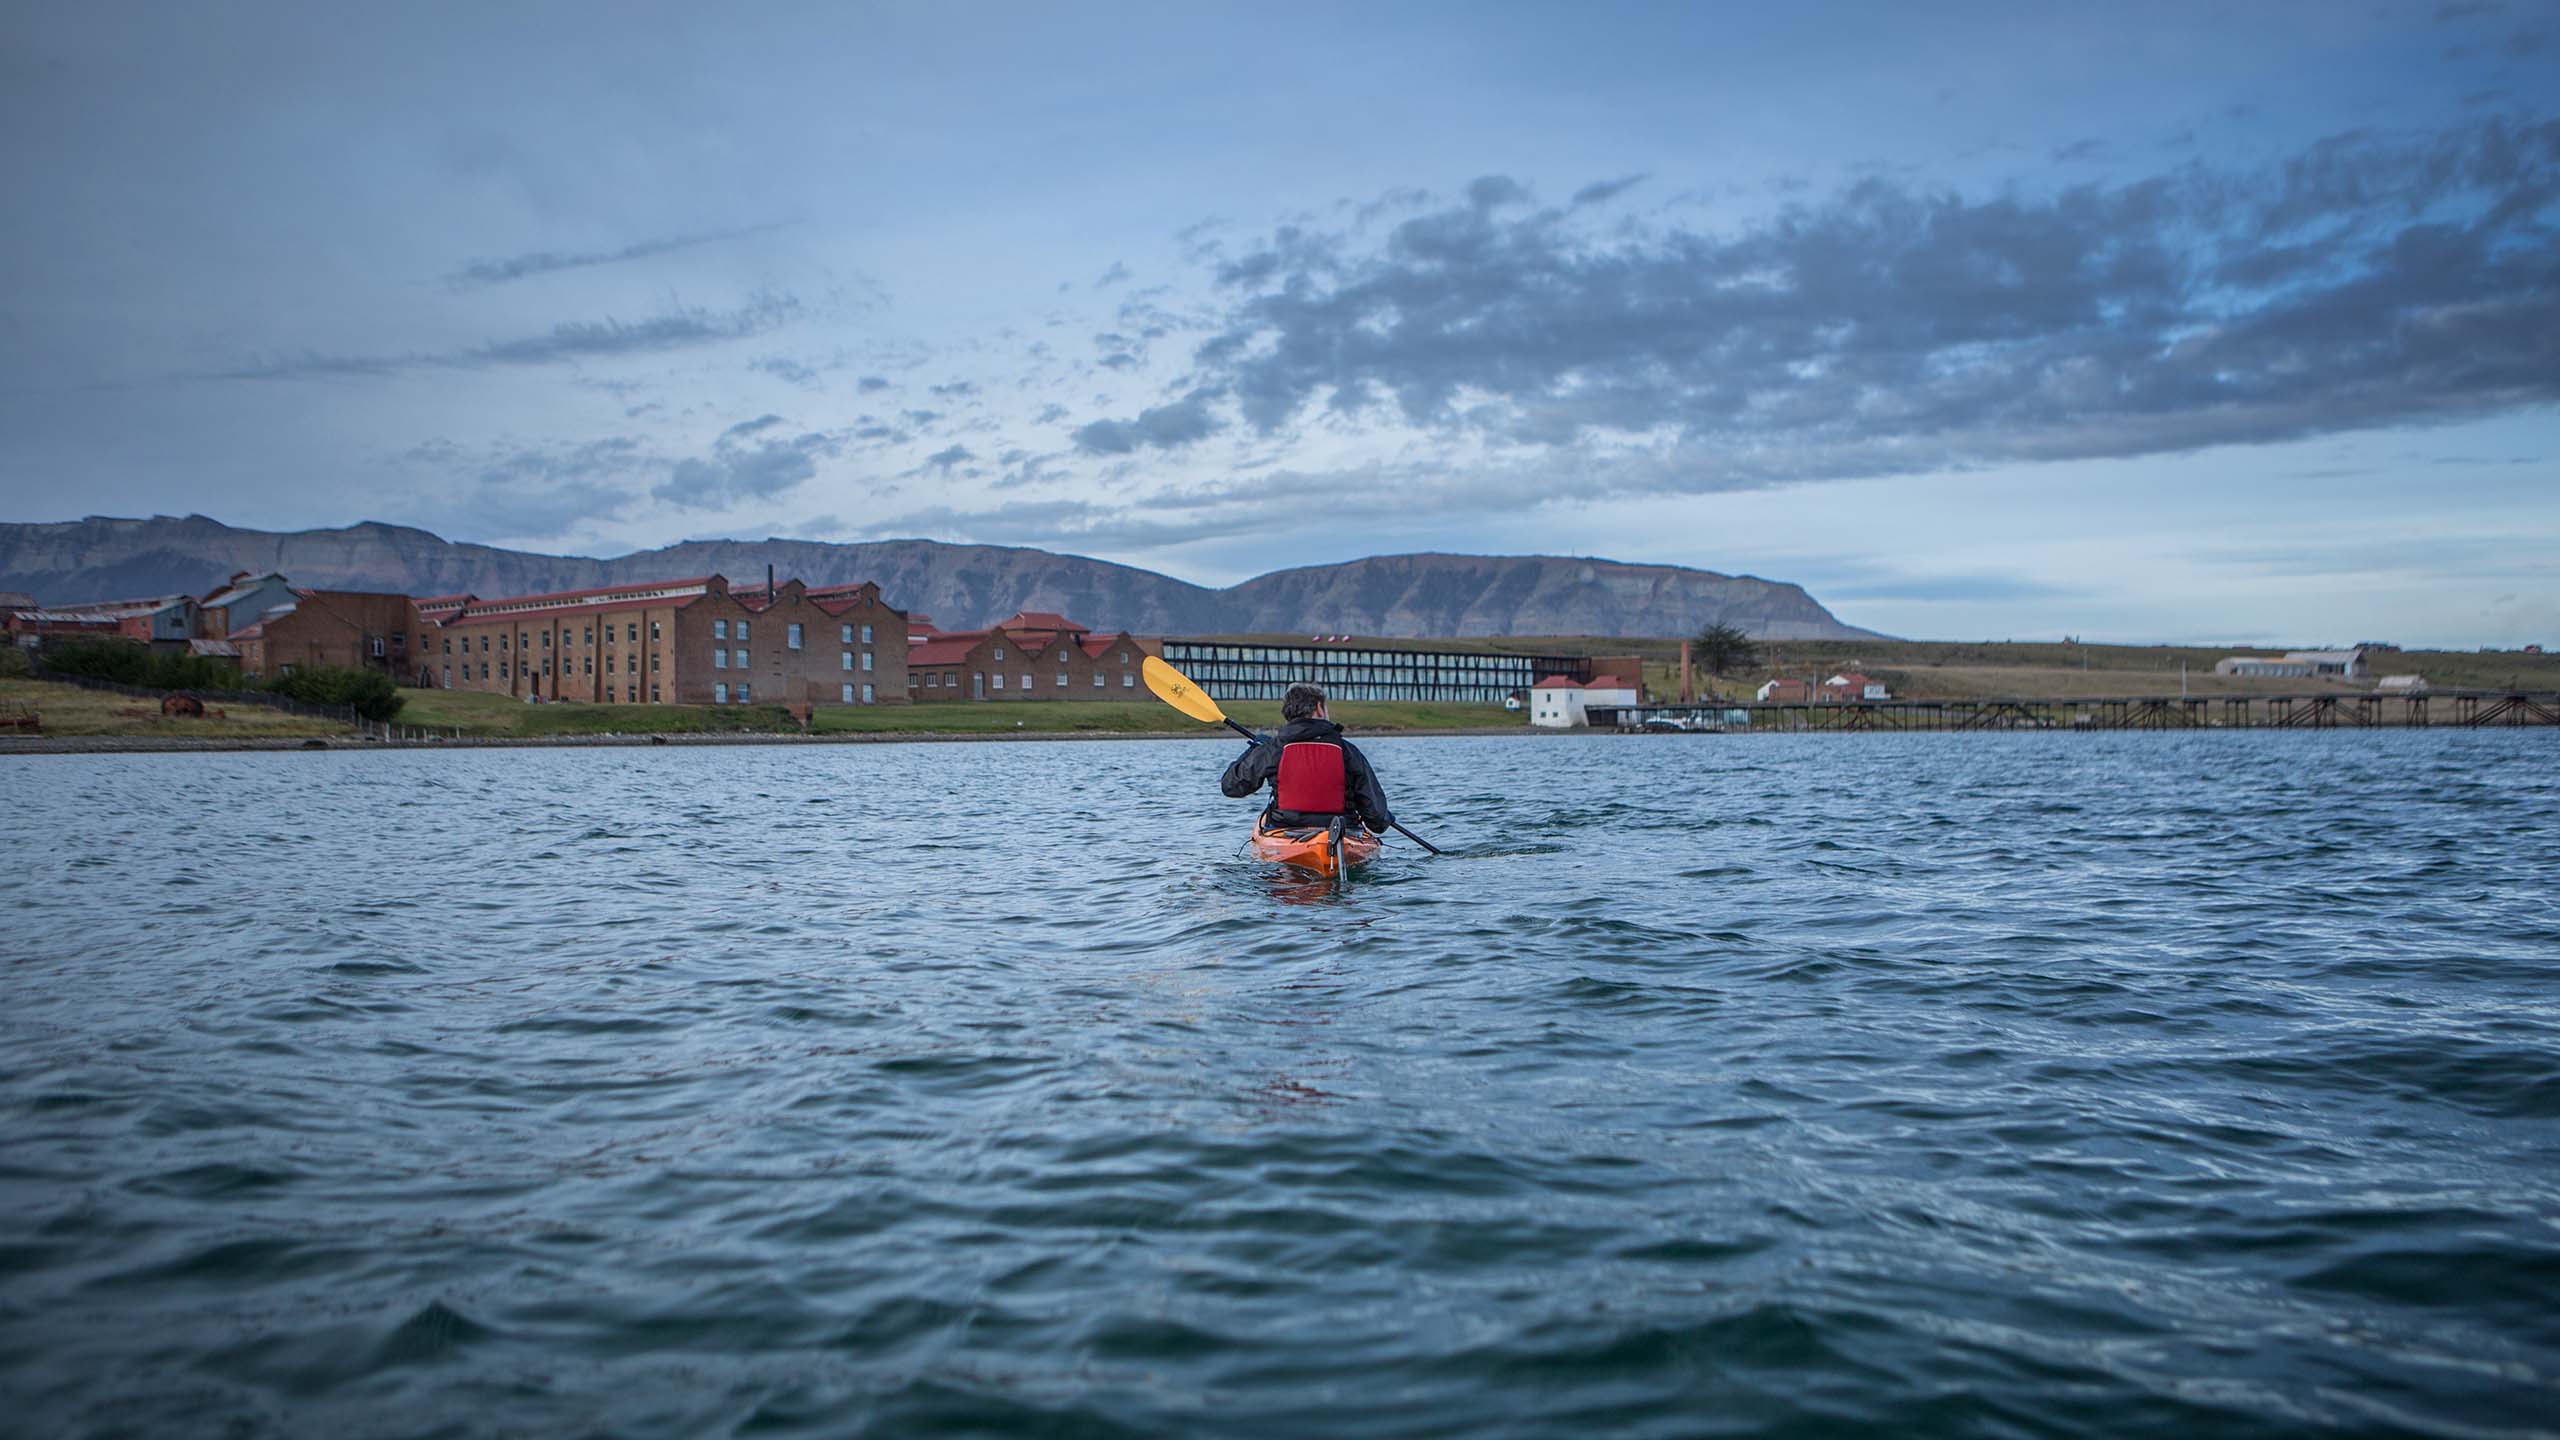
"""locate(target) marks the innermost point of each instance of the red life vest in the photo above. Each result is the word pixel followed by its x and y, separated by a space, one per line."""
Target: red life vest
pixel 1310 780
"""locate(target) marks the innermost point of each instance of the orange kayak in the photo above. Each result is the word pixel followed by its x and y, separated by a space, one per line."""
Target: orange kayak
pixel 1313 849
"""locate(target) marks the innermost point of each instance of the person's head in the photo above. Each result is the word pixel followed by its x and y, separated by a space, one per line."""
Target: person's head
pixel 1303 702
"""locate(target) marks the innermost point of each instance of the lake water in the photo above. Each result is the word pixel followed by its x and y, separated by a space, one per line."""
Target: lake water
pixel 1963 1085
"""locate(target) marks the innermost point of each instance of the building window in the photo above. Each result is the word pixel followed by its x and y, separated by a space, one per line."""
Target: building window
pixel 719 659
pixel 502 671
pixel 720 629
pixel 866 659
pixel 448 677
pixel 866 694
pixel 1097 679
pixel 586 664
pixel 848 659
pixel 738 658
pixel 866 634
pixel 1127 680
pixel 745 694
pixel 791 636
pixel 999 681
pixel 653 663
pixel 546 639
pixel 587 636
pixel 653 692
pixel 720 693
pixel 1026 682
pixel 742 630
pixel 635 639
pixel 484 643
pixel 848 694
pixel 484 669
pixel 502 644
pixel 1062 679
pixel 847 638
pixel 448 644
pixel 653 631
pixel 608 664
pixel 999 652
pixel 932 681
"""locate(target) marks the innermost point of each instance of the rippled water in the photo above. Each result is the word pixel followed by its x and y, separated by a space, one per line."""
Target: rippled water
pixel 1933 1084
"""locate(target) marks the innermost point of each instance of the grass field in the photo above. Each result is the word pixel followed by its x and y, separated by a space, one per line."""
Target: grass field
pixel 497 715
pixel 68 710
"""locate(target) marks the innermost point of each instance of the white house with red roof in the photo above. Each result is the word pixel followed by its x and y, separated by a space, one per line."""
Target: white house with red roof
pixel 1560 702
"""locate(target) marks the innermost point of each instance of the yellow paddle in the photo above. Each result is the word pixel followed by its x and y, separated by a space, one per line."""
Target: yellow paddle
pixel 1175 689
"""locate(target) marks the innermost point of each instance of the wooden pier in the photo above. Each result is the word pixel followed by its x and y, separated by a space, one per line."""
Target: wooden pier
pixel 2440 709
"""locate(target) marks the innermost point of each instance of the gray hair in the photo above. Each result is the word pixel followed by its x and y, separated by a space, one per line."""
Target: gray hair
pixel 1301 702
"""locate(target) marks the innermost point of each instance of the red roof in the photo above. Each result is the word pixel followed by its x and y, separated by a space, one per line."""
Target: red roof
pixel 943 650
pixel 600 590
pixel 1609 682
pixel 1038 620
pixel 1558 682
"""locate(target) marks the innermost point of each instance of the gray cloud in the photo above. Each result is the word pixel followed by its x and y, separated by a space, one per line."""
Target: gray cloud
pixel 573 340
pixel 753 460
pixel 782 367
pixel 530 492
pixel 948 457
pixel 543 262
pixel 1602 191
pixel 1166 427
pixel 2370 280
pixel 869 383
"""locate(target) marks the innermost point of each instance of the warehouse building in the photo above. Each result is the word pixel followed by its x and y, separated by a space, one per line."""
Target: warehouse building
pixel 680 642
pixel 1028 655
pixel 1259 669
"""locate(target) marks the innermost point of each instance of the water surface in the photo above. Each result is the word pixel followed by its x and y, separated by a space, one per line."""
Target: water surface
pixel 1925 1084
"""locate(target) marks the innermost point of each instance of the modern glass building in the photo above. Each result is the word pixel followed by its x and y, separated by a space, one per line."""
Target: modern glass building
pixel 1362 670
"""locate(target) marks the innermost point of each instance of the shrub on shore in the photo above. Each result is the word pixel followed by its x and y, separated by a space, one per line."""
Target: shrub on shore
pixel 372 693
pixel 129 664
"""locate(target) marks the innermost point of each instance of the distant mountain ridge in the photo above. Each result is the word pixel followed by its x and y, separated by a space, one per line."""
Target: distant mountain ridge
pixel 960 586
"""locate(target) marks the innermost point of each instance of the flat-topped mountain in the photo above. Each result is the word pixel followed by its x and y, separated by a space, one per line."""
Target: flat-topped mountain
pixel 958 585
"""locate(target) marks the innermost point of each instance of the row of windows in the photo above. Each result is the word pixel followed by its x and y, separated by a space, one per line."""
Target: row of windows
pixel 932 680
pixel 1187 653
pixel 721 694
pixel 587 636
pixel 1220 677
pixel 1354 690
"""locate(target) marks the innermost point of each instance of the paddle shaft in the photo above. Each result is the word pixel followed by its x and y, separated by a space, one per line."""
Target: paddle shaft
pixel 1395 825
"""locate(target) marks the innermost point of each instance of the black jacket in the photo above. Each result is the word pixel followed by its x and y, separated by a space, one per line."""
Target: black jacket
pixel 1258 766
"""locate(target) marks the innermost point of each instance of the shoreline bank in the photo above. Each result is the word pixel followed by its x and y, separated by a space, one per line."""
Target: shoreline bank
pixel 163 744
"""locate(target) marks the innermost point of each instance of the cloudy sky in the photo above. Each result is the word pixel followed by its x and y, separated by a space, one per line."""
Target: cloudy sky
pixel 2133 322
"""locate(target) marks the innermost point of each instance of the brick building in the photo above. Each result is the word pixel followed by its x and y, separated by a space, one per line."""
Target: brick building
pixel 349 629
pixel 678 642
pixel 1029 655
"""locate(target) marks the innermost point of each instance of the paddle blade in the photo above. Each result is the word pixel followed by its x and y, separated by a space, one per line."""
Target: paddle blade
pixel 1175 689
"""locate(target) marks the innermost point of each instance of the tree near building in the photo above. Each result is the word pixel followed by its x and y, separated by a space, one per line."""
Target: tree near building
pixel 1722 647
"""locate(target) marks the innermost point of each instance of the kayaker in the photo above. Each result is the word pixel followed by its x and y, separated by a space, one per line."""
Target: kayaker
pixel 1309 786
